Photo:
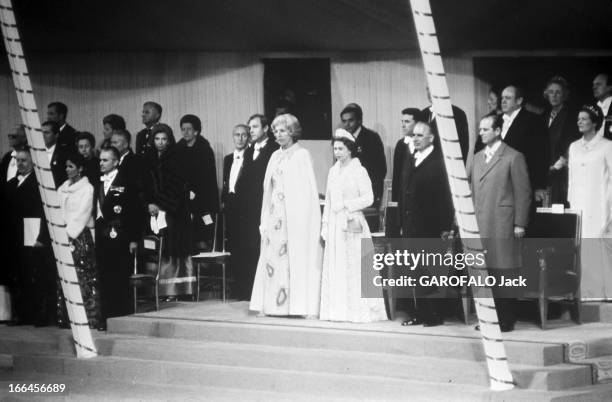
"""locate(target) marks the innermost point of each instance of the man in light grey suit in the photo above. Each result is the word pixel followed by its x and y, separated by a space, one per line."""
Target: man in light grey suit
pixel 502 197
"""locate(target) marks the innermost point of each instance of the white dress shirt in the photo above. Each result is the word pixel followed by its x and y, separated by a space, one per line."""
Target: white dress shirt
pixel 490 150
pixel 50 152
pixel 508 122
pixel 12 167
pixel 605 105
pixel 107 179
pixel 21 178
pixel 356 133
pixel 409 140
pixel 420 156
pixel 235 170
pixel 257 147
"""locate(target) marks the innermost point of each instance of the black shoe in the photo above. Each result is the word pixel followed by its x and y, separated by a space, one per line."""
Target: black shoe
pixel 433 322
pixel 411 322
pixel 477 327
pixel 506 327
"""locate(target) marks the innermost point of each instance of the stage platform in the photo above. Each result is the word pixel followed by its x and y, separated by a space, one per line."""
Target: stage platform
pixel 220 351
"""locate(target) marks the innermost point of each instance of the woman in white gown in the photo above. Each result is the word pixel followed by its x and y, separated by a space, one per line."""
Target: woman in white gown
pixel 590 191
pixel 288 276
pixel 349 191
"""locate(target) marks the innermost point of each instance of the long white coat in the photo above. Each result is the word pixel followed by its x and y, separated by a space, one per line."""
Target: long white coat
pixel 303 230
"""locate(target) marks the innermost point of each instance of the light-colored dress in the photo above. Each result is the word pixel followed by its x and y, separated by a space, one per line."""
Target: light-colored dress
pixel 288 276
pixel 590 191
pixel 349 191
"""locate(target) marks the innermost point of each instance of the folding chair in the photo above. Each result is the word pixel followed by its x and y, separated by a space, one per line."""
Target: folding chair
pixel 213 257
pixel 151 254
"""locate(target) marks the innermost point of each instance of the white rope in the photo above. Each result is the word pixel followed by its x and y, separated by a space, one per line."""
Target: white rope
pixel 57 229
pixel 497 362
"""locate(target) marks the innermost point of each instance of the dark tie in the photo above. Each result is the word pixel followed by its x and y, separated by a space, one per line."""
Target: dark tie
pixel 102 195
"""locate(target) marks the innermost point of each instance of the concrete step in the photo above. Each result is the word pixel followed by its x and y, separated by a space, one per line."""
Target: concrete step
pixel 519 352
pixel 400 366
pixel 92 389
pixel 601 366
pixel 596 312
pixel 89 379
pixel 29 339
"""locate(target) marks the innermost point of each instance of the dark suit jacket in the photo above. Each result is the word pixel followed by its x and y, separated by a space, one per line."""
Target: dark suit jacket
pixel 4 164
pixel 133 169
pixel 67 139
pixel 58 164
pixel 462 129
pixel 228 161
pixel 144 141
pixel 607 123
pixel 426 206
pixel 527 134
pixel 249 186
pixel 24 202
pixel 371 154
pixel 401 155
pixel 120 220
pixel 92 171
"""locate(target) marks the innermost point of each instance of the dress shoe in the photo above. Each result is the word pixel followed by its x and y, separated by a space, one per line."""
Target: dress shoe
pixel 434 322
pixel 411 322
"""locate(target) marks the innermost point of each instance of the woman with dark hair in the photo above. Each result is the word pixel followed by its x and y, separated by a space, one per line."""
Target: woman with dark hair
pixel 343 227
pixel 76 200
pixel 110 123
pixel 201 177
pixel 167 206
pixel 288 276
pixel 590 191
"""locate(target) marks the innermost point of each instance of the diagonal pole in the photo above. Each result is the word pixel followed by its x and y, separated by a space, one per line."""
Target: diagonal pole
pixel 497 361
pixel 57 229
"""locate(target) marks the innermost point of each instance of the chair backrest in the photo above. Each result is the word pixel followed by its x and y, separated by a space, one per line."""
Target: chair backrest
pixel 151 249
pixel 219 216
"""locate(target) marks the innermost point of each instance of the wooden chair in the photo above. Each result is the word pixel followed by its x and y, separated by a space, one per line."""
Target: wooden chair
pixel 213 257
pixel 151 254
pixel 552 260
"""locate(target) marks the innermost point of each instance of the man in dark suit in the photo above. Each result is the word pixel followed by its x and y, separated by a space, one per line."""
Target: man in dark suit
pixel 249 191
pixel 370 149
pixel 404 149
pixel 8 166
pixel 502 198
pixel 118 231
pixel 232 169
pixel 560 119
pixel 602 91
pixel 57 112
pixel 151 114
pixel 461 123
pixel 132 169
pixel 57 154
pixel 33 271
pixel 526 132
pixel 426 210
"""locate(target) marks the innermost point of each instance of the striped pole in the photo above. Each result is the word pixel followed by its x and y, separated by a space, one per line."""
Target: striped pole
pixel 497 362
pixel 57 229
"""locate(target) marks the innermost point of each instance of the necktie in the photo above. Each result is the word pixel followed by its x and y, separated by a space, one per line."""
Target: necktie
pixel 488 155
pixel 553 114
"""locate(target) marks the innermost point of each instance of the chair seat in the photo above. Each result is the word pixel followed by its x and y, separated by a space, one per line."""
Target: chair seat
pixel 218 256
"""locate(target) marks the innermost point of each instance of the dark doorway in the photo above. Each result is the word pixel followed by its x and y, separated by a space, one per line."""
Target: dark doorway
pixel 300 87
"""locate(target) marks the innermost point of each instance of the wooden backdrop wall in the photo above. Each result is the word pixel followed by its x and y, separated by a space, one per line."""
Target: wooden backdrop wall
pixel 223 89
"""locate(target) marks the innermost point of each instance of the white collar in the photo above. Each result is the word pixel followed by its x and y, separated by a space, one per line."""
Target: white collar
pixel 109 177
pixel 52 149
pixel 420 155
pixel 64 126
pixel 593 142
pixel 605 104
pixel 122 157
pixel 238 154
pixel 491 149
pixel 13 153
pixel 408 139
pixel 512 115
pixel 357 132
pixel 259 145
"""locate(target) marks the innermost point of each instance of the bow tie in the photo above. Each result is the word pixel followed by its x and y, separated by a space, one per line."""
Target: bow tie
pixel 506 117
pixel 106 178
pixel 21 177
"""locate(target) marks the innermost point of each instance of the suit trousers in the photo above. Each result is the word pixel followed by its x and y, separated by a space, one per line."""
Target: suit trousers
pixel 115 265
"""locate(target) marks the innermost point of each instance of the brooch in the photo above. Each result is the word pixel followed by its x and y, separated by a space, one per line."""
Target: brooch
pixel 113 233
pixel 117 209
